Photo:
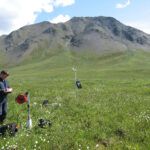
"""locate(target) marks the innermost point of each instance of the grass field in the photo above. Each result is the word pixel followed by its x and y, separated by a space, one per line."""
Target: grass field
pixel 111 111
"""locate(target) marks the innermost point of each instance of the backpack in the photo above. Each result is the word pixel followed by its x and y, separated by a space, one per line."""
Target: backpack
pixel 78 84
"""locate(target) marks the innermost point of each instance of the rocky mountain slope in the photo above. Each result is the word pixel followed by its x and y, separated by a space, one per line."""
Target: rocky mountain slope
pixel 92 34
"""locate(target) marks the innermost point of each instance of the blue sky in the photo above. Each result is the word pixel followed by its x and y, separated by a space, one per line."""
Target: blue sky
pixel 17 13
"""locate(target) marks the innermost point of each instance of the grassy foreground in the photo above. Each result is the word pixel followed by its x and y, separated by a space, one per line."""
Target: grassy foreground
pixel 112 111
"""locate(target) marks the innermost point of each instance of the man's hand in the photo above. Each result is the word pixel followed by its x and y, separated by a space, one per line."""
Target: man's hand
pixel 9 90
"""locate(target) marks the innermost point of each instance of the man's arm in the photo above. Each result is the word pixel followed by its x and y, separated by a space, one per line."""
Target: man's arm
pixel 8 88
pixel 4 90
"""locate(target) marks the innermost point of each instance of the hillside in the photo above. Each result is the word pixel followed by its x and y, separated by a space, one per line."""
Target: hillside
pixel 88 35
pixel 111 111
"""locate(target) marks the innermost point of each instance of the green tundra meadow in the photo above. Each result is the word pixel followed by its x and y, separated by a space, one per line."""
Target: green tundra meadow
pixel 110 112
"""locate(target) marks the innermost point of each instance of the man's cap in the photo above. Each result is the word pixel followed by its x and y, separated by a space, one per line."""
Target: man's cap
pixel 5 72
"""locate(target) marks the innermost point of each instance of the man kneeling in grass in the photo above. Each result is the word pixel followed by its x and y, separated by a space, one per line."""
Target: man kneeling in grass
pixel 4 91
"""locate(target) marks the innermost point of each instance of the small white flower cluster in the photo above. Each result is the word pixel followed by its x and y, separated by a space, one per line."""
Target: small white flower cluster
pixel 34 103
pixel 96 89
pixel 58 98
pixel 144 115
pixel 35 144
pixel 9 146
pixel 55 105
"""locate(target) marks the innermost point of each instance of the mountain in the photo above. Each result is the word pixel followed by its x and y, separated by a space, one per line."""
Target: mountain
pixel 80 34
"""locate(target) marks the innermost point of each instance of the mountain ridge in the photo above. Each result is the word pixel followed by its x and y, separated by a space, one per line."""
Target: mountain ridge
pixel 94 34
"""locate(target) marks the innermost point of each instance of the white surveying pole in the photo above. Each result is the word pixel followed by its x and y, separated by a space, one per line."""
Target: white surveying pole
pixel 29 120
pixel 75 79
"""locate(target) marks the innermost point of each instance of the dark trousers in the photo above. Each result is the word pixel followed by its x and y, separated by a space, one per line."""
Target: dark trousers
pixel 3 111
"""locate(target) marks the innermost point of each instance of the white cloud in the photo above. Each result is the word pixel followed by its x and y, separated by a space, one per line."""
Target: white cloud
pixel 17 13
pixel 60 18
pixel 64 2
pixel 127 3
pixel 144 26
